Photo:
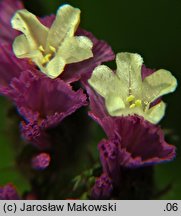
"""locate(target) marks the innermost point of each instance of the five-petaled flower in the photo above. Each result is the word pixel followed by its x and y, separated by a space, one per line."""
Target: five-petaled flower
pixel 51 48
pixel 126 93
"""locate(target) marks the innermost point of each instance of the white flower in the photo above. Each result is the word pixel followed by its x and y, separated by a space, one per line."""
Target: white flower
pixel 51 49
pixel 125 92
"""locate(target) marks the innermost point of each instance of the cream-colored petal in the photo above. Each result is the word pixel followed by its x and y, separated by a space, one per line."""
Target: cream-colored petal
pixel 22 50
pixel 64 26
pixel 30 26
pixel 114 105
pixel 156 113
pixel 21 46
pixel 157 84
pixel 104 81
pixel 129 73
pixel 76 49
pixel 55 67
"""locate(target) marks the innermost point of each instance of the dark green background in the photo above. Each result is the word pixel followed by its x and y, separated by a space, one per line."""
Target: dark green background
pixel 151 28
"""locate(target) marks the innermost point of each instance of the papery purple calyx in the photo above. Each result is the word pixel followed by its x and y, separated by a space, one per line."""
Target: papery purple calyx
pixel 11 68
pixel 32 133
pixel 43 102
pixel 7 10
pixel 41 161
pixel 146 71
pixel 8 192
pixel 136 143
pixel 102 188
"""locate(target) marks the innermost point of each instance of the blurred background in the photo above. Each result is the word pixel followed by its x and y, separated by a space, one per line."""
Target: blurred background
pixel 151 28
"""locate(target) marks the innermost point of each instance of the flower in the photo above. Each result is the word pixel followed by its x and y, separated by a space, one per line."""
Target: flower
pixel 16 77
pixel 102 188
pixel 125 92
pixel 132 141
pixel 41 161
pixel 8 192
pixel 11 66
pixel 51 49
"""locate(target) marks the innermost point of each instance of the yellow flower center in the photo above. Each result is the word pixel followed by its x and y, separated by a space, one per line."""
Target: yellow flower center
pixel 133 102
pixel 47 57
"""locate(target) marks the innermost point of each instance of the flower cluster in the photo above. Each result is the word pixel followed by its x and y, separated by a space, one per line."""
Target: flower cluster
pixel 45 62
pixel 125 104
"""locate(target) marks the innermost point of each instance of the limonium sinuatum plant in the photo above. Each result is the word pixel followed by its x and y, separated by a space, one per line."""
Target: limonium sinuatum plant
pixel 52 72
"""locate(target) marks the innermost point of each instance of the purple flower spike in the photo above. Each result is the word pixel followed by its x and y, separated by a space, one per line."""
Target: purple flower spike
pixel 41 161
pixel 102 188
pixel 8 192
pixel 7 10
